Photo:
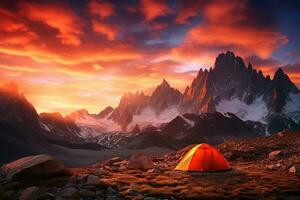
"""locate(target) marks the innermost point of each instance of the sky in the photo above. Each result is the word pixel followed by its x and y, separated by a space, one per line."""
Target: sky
pixel 67 55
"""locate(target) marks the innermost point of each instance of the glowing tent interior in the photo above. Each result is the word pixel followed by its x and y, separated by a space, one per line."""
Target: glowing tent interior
pixel 203 158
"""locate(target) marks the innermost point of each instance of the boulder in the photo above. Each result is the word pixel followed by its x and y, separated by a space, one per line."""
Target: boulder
pixel 69 192
pixel 87 193
pixel 113 160
pixel 295 169
pixel 33 168
pixel 92 180
pixel 274 154
pixel 100 172
pixel 141 162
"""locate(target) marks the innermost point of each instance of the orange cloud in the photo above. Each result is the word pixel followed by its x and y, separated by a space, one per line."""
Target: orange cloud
pixel 224 27
pixel 154 8
pixel 101 8
pixel 110 31
pixel 13 30
pixel 57 16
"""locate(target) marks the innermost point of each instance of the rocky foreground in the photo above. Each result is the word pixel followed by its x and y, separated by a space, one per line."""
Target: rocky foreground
pixel 262 168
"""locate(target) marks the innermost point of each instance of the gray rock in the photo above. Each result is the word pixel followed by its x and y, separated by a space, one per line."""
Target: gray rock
pixel 150 198
pixel 32 168
pixel 46 195
pixel 93 180
pixel 29 193
pixel 99 172
pixel 87 193
pixel 100 193
pixel 69 192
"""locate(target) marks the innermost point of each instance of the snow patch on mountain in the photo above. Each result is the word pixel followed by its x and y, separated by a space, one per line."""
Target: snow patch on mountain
pixel 149 117
pixel 254 112
pixel 190 122
pixel 45 127
pixel 91 126
pixel 292 107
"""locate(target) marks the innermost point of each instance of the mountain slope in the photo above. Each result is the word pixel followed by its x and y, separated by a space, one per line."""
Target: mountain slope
pixel 20 132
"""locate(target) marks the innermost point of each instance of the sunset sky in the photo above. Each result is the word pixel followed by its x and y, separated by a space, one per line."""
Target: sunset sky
pixel 66 55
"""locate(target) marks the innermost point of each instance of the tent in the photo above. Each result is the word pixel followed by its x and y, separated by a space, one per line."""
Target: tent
pixel 203 158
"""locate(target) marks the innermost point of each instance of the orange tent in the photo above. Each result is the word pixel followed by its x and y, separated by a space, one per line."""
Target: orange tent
pixel 203 158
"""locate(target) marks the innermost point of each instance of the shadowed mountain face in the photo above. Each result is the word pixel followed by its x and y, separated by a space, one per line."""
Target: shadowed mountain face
pixel 20 132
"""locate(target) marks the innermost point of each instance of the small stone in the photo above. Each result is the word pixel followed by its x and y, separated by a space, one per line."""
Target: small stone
pixel 87 193
pixel 154 171
pixel 46 195
pixel 295 169
pixel 29 193
pixel 114 168
pixel 140 196
pixel 280 134
pixel 100 172
pixel 150 198
pixel 141 162
pixel 92 180
pixel 100 193
pixel 271 167
pixel 274 154
pixel 113 160
pixel 69 192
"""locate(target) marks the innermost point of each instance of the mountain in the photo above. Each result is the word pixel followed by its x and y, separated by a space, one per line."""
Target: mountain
pixel 24 132
pixel 60 128
pixel 130 104
pixel 230 86
pixel 105 112
pixel 141 109
pixel 20 132
pixel 164 97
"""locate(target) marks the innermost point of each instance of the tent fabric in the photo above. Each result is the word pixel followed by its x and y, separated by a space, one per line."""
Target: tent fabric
pixel 203 158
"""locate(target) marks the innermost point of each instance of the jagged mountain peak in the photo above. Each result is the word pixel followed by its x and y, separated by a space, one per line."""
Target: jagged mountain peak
pixel 78 114
pixel 105 112
pixel 163 87
pixel 281 80
pixel 15 108
pixel 226 62
pixel 164 96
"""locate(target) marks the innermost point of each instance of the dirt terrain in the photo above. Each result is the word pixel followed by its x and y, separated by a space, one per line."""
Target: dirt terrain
pixel 262 168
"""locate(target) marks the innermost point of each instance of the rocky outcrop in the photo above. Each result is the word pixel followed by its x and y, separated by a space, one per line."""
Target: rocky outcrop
pixel 60 128
pixel 278 93
pixel 104 113
pixel 164 97
pixel 32 168
pixel 130 104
